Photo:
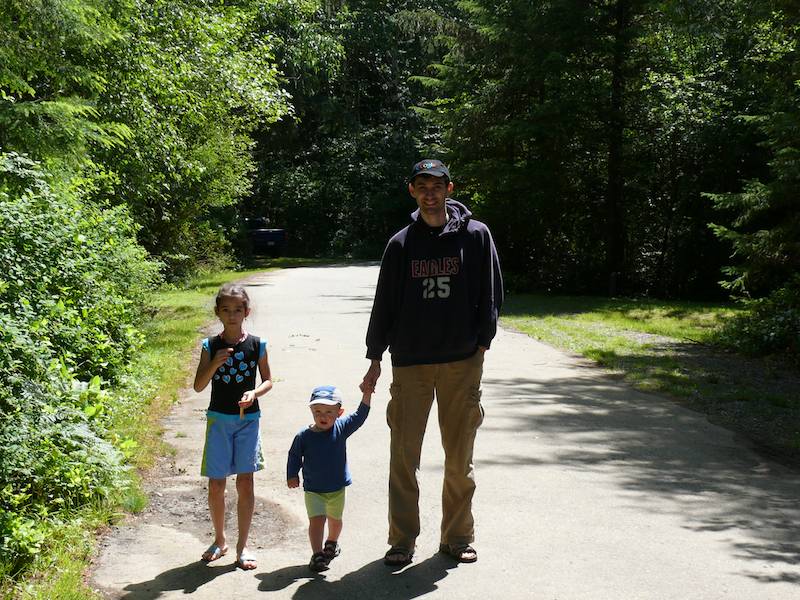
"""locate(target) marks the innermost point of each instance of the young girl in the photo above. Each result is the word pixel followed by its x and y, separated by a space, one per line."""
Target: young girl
pixel 229 360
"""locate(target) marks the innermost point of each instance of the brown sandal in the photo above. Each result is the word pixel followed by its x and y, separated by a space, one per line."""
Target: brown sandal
pixel 463 553
pixel 398 556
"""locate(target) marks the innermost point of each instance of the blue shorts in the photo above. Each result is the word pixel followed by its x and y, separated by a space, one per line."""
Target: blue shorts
pixel 233 445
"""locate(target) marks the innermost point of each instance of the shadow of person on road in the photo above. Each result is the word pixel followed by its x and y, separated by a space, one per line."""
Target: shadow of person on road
pixel 370 581
pixel 187 578
pixel 283 578
pixel 668 459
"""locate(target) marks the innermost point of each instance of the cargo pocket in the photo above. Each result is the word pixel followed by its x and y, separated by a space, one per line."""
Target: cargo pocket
pixel 476 412
pixel 394 408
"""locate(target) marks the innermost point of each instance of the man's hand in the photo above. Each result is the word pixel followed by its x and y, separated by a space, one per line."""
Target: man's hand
pixel 371 378
pixel 293 482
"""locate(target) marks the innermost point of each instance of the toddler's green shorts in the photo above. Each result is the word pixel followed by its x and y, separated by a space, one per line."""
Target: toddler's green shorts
pixel 330 504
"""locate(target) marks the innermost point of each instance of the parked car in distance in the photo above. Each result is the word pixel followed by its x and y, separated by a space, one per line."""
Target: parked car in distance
pixel 265 239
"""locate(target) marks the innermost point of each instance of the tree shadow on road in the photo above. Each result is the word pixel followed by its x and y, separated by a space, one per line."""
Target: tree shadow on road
pixel 668 458
pixel 187 578
pixel 373 580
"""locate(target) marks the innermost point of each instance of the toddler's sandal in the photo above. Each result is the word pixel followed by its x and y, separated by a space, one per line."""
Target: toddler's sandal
pixel 331 550
pixel 318 562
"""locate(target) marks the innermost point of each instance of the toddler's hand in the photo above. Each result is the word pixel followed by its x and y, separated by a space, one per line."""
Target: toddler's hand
pixel 293 482
pixel 366 397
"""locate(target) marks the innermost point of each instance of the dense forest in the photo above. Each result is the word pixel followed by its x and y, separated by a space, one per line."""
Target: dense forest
pixel 620 147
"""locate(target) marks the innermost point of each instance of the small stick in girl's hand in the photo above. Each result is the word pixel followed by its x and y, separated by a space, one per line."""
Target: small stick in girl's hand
pixel 241 412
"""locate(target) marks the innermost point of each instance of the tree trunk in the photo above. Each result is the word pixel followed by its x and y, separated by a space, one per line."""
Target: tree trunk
pixel 615 185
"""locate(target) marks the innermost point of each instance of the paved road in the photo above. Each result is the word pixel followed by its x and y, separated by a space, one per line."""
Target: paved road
pixel 586 489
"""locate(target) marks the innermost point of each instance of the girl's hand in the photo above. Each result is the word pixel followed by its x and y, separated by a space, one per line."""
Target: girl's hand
pixel 247 399
pixel 293 482
pixel 221 356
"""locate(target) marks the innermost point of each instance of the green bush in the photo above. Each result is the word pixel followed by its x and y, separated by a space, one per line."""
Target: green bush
pixel 771 326
pixel 71 291
pixel 52 464
pixel 73 274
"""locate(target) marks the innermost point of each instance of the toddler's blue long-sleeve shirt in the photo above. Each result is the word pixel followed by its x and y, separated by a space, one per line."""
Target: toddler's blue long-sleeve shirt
pixel 322 455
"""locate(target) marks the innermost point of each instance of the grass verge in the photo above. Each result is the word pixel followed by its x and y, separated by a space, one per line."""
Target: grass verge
pixel 158 374
pixel 667 347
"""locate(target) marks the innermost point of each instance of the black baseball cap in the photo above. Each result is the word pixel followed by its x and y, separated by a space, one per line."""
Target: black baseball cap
pixel 429 166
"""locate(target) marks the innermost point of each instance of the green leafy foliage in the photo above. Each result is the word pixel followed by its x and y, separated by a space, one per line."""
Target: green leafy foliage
pixel 764 227
pixel 192 80
pixel 334 175
pixel 761 221
pixel 73 283
pixel 769 326
pixel 596 126
pixel 68 277
pixel 49 80
pixel 154 101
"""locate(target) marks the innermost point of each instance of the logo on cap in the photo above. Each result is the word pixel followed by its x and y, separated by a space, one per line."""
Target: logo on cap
pixel 428 166
pixel 326 394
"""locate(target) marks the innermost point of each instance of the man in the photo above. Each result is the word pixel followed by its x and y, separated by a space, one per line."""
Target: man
pixel 436 306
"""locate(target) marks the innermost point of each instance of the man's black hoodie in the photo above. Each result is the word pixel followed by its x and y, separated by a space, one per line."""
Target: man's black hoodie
pixel 439 292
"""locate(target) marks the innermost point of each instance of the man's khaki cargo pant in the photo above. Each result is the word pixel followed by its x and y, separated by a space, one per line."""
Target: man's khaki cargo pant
pixel 457 389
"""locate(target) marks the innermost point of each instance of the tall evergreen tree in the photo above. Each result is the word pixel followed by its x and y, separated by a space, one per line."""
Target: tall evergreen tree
pixel 539 101
pixel 589 133
pixel 765 229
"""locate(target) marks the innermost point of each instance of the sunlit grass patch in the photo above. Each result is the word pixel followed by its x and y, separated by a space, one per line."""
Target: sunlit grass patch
pixel 683 320
pixel 637 338
pixel 667 347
